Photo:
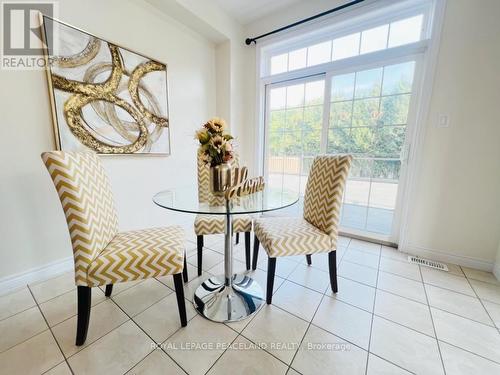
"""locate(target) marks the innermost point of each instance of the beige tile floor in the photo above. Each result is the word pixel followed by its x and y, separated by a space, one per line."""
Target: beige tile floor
pixel 389 317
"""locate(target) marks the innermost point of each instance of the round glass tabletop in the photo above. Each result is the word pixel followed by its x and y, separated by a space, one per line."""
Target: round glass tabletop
pixel 186 200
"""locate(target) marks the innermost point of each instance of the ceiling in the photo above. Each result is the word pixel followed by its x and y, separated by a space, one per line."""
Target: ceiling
pixel 247 11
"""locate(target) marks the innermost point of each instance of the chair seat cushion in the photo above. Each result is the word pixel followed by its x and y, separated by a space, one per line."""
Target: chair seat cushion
pixel 290 236
pixel 137 255
pixel 215 224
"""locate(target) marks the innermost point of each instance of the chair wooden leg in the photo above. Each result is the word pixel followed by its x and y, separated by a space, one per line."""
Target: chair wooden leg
pixel 109 290
pixel 185 270
pixel 200 252
pixel 247 249
pixel 255 252
pixel 271 269
pixel 84 302
pixel 181 303
pixel 237 238
pixel 332 266
pixel 309 260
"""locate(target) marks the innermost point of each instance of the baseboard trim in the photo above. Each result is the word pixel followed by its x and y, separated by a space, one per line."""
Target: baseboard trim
pixel 442 256
pixel 47 271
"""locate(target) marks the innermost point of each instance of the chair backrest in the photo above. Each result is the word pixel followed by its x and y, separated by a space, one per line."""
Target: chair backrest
pixel 324 189
pixel 204 193
pixel 86 198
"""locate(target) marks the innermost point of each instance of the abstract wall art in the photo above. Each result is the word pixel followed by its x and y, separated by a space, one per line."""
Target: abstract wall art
pixel 104 97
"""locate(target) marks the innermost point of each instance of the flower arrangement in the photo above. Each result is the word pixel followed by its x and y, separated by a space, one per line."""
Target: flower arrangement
pixel 215 144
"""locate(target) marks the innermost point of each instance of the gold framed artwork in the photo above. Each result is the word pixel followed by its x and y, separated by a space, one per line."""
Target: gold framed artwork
pixel 104 97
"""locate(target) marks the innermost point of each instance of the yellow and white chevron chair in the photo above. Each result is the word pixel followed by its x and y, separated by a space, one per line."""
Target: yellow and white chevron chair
pixel 215 224
pixel 317 230
pixel 103 256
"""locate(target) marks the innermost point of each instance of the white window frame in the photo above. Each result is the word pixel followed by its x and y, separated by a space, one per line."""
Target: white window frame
pixel 371 14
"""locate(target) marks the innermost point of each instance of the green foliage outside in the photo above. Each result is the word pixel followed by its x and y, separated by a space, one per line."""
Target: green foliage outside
pixel 369 124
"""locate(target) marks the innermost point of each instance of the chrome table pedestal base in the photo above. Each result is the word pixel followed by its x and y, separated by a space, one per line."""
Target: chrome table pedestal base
pixel 221 303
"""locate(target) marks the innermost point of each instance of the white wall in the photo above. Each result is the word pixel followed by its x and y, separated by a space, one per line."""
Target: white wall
pixel 455 211
pixel 456 207
pixel 32 226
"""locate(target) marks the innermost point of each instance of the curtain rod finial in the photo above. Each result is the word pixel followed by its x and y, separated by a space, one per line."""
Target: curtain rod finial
pixel 249 41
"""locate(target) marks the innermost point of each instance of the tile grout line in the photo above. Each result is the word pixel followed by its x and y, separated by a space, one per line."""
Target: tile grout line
pixel 142 360
pixel 153 340
pixel 480 301
pixel 289 366
pixel 373 314
pixel 432 320
pixel 72 316
pixel 129 319
pixel 271 354
pixel 52 333
pixel 312 318
pixel 154 303
pixel 392 363
pixel 17 313
pixel 468 351
pixel 219 357
pixel 336 335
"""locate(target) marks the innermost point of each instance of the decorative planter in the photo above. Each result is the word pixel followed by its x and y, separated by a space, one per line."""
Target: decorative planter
pixel 220 179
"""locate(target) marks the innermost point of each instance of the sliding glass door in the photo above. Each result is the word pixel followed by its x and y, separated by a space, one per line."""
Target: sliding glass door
pixel 361 111
pixel 295 122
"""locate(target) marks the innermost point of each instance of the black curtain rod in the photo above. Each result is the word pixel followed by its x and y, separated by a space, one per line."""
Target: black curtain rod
pixel 249 41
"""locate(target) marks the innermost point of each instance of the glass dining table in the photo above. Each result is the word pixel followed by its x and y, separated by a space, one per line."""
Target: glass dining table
pixel 230 297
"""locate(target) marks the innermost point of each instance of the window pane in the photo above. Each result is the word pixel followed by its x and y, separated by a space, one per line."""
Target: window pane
pixel 365 112
pixel 388 141
pixel 386 169
pixel 278 98
pixel 343 87
pixel 275 167
pixel 275 143
pixel 361 168
pixel 368 83
pixel 294 119
pixel 277 121
pixel 361 141
pixel 319 53
pixel 339 141
pixel 340 114
pixel 357 193
pixel 295 95
pixel 405 31
pixel 297 59
pixel 279 63
pixel 379 220
pixel 313 118
pixel 346 46
pixel 398 78
pixel 315 92
pixel 394 109
pixel 292 146
pixel 374 39
pixel 292 181
pixel 307 162
pixel 311 142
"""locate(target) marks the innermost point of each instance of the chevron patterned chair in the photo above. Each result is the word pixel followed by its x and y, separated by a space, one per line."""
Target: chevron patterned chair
pixel 102 255
pixel 215 224
pixel 317 230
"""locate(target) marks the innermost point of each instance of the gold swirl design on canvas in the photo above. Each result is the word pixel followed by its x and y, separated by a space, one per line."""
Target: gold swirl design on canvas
pixel 104 98
pixel 81 58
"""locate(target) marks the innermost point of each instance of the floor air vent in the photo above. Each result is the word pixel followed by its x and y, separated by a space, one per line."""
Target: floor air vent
pixel 428 263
